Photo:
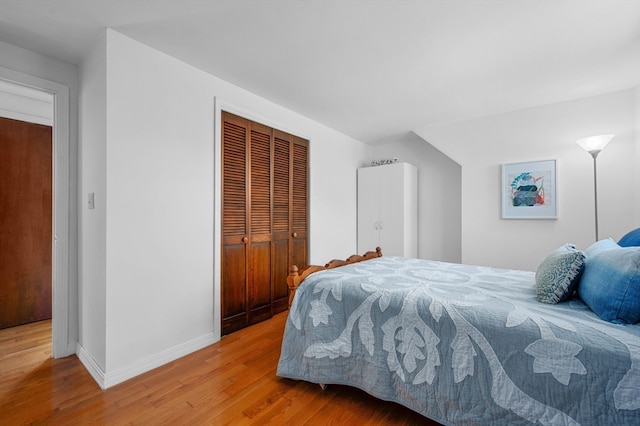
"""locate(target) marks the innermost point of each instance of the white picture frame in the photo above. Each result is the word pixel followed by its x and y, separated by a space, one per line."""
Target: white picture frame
pixel 529 190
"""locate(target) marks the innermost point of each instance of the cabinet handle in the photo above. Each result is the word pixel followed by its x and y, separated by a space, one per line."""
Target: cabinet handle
pixel 245 239
pixel 294 235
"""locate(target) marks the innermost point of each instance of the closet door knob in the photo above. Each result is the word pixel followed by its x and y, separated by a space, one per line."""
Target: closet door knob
pixel 294 235
pixel 245 239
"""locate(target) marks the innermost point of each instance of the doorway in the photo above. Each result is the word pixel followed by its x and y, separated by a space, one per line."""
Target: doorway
pixel 62 345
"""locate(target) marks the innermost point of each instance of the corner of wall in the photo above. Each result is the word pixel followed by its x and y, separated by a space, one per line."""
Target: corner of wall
pixel 91 365
pixel 92 223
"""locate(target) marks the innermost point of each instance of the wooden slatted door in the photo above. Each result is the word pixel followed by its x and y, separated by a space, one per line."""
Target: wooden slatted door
pixel 290 212
pixel 300 202
pixel 281 219
pixel 264 219
pixel 260 231
pixel 235 235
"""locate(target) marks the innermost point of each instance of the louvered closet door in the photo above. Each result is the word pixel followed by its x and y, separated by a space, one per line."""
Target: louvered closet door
pixel 300 203
pixel 282 159
pixel 260 291
pixel 235 229
pixel 290 212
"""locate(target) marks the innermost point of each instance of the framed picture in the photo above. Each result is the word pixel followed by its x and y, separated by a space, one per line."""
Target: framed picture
pixel 529 190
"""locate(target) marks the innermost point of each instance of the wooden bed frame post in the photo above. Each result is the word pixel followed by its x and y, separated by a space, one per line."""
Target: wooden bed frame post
pixel 293 280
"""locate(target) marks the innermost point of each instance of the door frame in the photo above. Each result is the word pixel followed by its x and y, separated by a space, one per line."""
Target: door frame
pixel 60 229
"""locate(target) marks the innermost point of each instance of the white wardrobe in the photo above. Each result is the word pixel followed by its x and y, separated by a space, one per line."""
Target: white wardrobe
pixel 388 209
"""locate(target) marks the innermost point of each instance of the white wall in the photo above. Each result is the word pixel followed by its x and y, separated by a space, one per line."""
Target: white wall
pixel 162 245
pixel 544 133
pixel 637 115
pixel 439 196
pixel 92 223
pixel 38 66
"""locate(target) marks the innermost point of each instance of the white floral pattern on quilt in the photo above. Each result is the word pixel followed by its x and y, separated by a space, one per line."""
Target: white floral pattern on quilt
pixel 426 329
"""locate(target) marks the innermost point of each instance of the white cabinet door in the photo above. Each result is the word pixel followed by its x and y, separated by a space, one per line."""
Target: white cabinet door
pixel 387 209
pixel 391 202
pixel 368 209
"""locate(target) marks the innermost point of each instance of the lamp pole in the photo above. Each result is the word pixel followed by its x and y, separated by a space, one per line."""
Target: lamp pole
pixel 593 145
pixel 594 154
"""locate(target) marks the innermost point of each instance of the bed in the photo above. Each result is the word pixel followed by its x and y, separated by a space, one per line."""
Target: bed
pixel 460 344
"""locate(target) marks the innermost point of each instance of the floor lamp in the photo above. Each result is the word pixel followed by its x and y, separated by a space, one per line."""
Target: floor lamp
pixel 593 145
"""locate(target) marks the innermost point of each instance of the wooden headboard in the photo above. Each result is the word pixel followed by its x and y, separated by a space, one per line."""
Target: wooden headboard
pixel 295 277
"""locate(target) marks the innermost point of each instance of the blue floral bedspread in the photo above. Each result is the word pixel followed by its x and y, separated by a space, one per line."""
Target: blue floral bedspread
pixel 462 344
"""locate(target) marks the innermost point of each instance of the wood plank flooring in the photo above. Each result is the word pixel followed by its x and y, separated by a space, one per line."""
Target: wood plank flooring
pixel 231 382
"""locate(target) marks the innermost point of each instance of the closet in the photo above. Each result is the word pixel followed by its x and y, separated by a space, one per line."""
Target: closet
pixel 264 218
pixel 388 209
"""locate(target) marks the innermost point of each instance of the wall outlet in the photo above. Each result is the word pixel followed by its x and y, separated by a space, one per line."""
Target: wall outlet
pixel 92 204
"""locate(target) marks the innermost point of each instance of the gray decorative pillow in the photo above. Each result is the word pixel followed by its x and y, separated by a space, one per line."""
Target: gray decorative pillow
pixel 559 273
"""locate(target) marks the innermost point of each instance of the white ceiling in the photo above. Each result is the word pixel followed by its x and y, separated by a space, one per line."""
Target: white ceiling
pixel 371 69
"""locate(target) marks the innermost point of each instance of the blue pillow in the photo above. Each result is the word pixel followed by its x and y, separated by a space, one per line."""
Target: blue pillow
pixel 610 283
pixel 558 274
pixel 630 239
pixel 599 246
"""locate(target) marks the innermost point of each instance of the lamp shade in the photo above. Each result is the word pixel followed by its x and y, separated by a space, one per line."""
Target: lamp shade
pixel 594 143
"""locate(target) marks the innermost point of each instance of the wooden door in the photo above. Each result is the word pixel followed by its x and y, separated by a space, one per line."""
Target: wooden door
pixel 300 203
pixel 290 212
pixel 282 165
pixel 235 229
pixel 260 289
pixel 246 223
pixel 25 222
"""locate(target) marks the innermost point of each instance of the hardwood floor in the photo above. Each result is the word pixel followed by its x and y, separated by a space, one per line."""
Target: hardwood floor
pixel 230 382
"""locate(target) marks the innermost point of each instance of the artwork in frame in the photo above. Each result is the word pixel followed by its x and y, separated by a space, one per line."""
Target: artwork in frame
pixel 529 190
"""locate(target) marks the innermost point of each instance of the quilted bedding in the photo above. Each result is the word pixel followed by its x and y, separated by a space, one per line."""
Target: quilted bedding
pixel 462 344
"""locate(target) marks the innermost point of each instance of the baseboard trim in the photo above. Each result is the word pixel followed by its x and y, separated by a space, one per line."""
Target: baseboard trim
pixel 106 380
pixel 90 365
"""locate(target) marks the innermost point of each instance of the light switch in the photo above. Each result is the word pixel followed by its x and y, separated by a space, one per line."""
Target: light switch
pixel 92 204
